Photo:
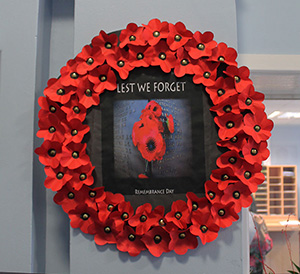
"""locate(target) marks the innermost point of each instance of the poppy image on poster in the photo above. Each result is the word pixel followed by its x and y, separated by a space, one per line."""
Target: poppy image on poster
pixel 152 138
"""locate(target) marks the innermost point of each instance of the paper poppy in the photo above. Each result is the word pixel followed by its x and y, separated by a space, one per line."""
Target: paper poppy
pixel 234 143
pixel 221 90
pixel 74 155
pixel 74 109
pixel 119 61
pixel 83 217
pixel 178 36
pixel 239 194
pixel 255 153
pixel 224 214
pixel 201 45
pixel 143 219
pixel 205 73
pixel 49 107
pixel 82 176
pixel 230 159
pixel 180 214
pixel 88 59
pixel 230 105
pixel 223 176
pixel 51 129
pixel 251 100
pixel 103 78
pixel 223 53
pixel 140 56
pixel 106 206
pixel 123 213
pixel 56 177
pixel 106 233
pixel 75 131
pixel 182 241
pixel 157 241
pixel 212 192
pixel 69 75
pixel 132 35
pixel 203 225
pixel 258 126
pixel 91 196
pixel 163 57
pixel 229 125
pixel 49 153
pixel 184 63
pixel 57 92
pixel 155 31
pixel 87 96
pixel 129 241
pixel 240 76
pixel 106 42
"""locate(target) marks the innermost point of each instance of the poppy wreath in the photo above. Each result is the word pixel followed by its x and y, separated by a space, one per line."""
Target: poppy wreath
pixel 243 129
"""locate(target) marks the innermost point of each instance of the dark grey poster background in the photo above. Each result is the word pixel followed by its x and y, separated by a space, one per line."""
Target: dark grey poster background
pixel 191 150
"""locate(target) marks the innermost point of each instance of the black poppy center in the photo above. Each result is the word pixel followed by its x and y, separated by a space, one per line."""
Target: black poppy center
pixel 151 145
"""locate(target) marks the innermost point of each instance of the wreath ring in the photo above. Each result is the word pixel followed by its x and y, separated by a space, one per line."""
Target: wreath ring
pixel 243 130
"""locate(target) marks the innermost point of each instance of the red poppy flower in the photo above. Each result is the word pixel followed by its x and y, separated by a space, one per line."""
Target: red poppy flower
pixel 201 45
pixel 155 30
pixel 132 35
pixel 240 76
pixel 223 176
pixel 212 192
pixel 239 194
pixel 56 177
pixel 74 155
pixel 106 206
pixel 68 198
pixel 154 107
pixel 252 100
pixel 86 94
pixel 123 213
pixel 178 36
pixel 251 175
pixel 179 214
pixel 205 73
pixel 69 75
pixel 221 90
pixel 148 120
pixel 83 217
pixel 106 233
pixel 235 143
pixel 140 56
pixel 75 131
pixel 88 59
pixel 161 221
pixel 224 214
pixel 107 42
pixel 255 153
pixel 230 159
pixel 182 241
pixel 91 196
pixel 163 57
pixel 258 126
pixel 49 153
pixel 229 125
pixel 74 109
pixel 143 219
pixel 230 105
pixel 119 61
pixel 103 78
pixel 51 129
pixel 151 144
pixel 196 204
pixel 49 107
pixel 129 241
pixel 170 123
pixel 57 92
pixel 82 176
pixel 184 63
pixel 203 225
pixel 222 53
pixel 157 241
